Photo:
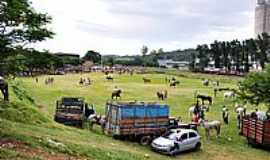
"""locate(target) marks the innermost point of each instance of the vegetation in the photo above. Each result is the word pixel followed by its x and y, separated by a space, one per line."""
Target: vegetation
pixel 256 88
pixel 93 56
pixel 234 55
pixel 31 123
pixel 20 25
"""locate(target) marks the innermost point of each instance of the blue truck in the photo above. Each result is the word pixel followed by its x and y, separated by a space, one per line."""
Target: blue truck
pixel 140 121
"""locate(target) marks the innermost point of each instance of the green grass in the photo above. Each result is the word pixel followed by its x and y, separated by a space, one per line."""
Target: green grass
pixel 29 117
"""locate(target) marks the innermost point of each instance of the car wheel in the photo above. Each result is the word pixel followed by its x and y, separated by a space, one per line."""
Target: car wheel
pixel 198 146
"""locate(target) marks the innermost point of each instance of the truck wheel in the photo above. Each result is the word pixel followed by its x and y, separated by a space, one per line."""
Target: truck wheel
pixel 145 140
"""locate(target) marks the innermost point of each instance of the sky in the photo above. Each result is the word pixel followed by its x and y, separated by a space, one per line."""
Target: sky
pixel 123 26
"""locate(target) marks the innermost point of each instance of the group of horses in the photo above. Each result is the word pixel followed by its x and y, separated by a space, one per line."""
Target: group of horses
pixel 49 80
pixel 85 81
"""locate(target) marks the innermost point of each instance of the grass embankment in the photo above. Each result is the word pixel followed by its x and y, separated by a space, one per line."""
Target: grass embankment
pixel 28 119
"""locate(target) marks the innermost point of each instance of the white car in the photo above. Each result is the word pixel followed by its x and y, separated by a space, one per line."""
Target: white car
pixel 176 141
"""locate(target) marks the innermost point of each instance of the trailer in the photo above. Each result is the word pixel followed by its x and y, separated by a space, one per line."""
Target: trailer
pixel 142 121
pixel 256 131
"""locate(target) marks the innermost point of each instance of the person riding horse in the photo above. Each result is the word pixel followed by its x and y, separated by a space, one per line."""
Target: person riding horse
pixel 116 93
pixel 4 88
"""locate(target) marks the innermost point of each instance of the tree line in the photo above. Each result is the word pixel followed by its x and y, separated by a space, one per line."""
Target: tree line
pixel 233 55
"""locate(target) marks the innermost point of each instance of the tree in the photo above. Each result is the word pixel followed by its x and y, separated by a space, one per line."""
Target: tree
pixel 215 50
pixel 256 87
pixel 20 25
pixel 160 51
pixel 203 55
pixel 153 52
pixel 263 45
pixel 144 50
pixel 93 56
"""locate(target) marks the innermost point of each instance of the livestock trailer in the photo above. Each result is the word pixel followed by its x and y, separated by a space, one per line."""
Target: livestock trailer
pixel 256 131
pixel 142 121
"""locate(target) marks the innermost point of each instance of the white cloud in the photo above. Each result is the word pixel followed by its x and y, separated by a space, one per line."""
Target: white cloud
pixel 123 26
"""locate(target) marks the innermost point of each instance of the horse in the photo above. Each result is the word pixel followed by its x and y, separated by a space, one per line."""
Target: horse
pixel 229 94
pixel 146 80
pixel 109 78
pixel 206 82
pixel 116 94
pixel 208 126
pixel 162 95
pixel 97 120
pixel 174 83
pixel 4 89
pixel 205 98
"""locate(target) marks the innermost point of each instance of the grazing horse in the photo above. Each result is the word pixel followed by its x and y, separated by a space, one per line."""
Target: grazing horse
pixel 174 83
pixel 146 80
pixel 208 126
pixel 4 90
pixel 162 95
pixel 109 78
pixel 97 120
pixel 206 82
pixel 229 94
pixel 205 98
pixel 116 94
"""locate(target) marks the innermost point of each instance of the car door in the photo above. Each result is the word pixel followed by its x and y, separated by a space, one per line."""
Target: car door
pixel 192 140
pixel 183 142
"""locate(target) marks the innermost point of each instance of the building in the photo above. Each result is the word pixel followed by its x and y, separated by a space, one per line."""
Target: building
pixel 262 17
pixel 169 63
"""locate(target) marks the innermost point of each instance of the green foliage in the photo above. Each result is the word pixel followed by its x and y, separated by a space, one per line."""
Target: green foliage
pixel 256 87
pixel 93 56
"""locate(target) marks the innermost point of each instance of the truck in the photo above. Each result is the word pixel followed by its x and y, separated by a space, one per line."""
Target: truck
pixel 138 120
pixel 256 131
pixel 72 111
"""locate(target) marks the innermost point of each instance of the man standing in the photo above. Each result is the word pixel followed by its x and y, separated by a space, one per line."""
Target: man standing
pixel 225 115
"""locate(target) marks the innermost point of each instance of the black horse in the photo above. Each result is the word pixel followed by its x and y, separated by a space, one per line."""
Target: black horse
pixel 4 90
pixel 116 94
pixel 109 78
pixel 205 98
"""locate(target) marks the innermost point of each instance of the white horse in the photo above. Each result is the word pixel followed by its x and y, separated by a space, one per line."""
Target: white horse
pixel 208 126
pixel 229 94
pixel 98 120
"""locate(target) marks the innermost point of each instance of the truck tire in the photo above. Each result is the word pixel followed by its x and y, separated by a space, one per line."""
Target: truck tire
pixel 145 140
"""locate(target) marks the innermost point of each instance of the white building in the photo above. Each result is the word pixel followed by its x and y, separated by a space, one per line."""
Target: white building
pixel 169 63
pixel 262 17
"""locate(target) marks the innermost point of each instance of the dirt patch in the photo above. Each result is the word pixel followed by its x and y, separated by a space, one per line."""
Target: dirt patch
pixel 38 153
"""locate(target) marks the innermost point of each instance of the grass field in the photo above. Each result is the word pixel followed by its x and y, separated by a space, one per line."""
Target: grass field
pixel 28 118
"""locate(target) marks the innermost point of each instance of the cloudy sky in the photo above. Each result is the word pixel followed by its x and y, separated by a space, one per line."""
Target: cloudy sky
pixel 123 26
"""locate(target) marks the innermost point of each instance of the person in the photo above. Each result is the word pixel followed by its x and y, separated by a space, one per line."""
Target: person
pixel 225 115
pixel 254 114
pixel 202 114
pixel 36 80
pixel 268 114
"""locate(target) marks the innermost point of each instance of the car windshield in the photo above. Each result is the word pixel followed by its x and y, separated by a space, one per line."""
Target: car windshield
pixel 169 135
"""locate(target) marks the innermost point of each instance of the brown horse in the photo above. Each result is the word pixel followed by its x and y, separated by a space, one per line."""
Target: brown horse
pixel 146 80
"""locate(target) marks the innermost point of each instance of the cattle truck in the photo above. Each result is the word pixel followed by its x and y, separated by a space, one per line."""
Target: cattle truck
pixel 256 131
pixel 140 121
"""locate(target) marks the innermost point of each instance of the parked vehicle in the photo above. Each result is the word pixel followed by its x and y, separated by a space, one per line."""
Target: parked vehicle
pixel 139 121
pixel 256 131
pixel 176 141
pixel 72 111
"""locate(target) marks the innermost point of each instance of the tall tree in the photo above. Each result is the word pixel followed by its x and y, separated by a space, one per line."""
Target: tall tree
pixel 203 56
pixel 20 25
pixel 263 45
pixel 144 50
pixel 215 51
pixel 93 56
